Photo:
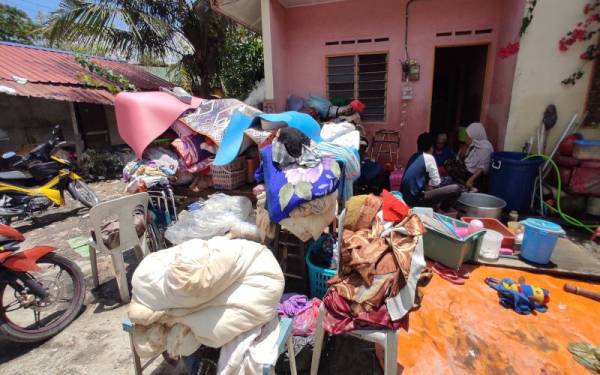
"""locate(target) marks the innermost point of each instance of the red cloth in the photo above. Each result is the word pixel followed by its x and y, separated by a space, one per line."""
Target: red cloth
pixel 357 105
pixel 339 318
pixel 393 208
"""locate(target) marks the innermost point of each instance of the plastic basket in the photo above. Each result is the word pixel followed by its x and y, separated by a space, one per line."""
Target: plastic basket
pixel 228 180
pixel 237 164
pixel 317 276
pixel 450 251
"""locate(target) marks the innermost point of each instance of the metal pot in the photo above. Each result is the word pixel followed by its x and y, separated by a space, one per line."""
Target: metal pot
pixel 479 205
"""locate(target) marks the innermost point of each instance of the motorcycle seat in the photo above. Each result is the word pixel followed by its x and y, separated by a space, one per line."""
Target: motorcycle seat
pixel 15 175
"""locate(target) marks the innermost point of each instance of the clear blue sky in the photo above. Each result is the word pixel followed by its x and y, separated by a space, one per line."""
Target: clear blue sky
pixel 33 7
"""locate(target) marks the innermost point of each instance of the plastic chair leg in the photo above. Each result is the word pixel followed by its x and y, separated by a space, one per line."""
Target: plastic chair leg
pixel 291 355
pixel 391 351
pixel 319 337
pixel 94 264
pixel 121 275
pixel 140 252
pixel 137 363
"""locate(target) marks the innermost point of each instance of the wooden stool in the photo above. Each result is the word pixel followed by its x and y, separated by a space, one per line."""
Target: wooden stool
pixel 283 241
pixel 386 142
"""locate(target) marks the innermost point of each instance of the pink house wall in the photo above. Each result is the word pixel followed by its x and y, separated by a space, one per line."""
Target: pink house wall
pixel 299 36
pixel 279 53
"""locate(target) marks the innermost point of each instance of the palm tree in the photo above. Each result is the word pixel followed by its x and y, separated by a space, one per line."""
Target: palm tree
pixel 185 31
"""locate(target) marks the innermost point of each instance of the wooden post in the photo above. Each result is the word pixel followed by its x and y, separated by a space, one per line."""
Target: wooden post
pixel 78 139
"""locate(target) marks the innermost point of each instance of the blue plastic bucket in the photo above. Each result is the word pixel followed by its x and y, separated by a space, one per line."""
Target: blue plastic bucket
pixel 539 240
pixel 512 178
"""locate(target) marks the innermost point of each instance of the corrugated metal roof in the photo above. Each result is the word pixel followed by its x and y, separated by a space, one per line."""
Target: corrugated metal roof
pixel 54 74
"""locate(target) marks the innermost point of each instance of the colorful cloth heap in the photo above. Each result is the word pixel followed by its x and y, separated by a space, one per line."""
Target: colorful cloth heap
pixel 377 283
pixel 292 304
pixel 523 298
pixel 211 119
pixel 293 185
pixel 192 156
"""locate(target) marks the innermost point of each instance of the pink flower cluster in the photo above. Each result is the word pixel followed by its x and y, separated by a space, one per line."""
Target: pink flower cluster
pixel 509 50
pixel 581 33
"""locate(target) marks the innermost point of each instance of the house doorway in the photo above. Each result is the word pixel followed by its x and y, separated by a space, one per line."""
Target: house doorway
pixel 459 76
pixel 92 124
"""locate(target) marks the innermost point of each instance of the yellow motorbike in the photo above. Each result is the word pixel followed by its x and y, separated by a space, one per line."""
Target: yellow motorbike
pixel 33 183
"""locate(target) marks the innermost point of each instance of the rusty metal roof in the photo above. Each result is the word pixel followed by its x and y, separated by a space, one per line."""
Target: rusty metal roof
pixel 54 74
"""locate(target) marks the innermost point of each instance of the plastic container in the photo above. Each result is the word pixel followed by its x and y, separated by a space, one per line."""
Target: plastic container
pixel 514 227
pixel 427 211
pixel 317 276
pixel 539 240
pixel 396 178
pixel 586 149
pixel 508 240
pixel 512 178
pixel 449 250
pixel 491 244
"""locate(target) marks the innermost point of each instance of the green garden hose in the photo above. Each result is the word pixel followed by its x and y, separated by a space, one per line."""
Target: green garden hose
pixel 569 219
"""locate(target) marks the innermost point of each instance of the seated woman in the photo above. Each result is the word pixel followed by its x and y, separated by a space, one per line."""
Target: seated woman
pixel 421 181
pixel 473 159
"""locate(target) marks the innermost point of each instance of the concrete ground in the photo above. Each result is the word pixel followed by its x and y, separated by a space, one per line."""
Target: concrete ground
pixel 94 343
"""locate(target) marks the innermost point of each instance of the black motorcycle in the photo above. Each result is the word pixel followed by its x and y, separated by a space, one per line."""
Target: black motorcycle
pixel 37 181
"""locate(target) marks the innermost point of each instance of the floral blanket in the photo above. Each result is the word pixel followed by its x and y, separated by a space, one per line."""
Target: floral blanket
pixel 293 185
pixel 211 119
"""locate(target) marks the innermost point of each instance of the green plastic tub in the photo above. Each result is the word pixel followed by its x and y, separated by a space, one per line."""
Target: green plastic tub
pixel 448 250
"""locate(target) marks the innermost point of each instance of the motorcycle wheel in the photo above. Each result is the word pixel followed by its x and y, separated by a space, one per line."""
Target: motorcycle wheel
pixel 58 310
pixel 80 191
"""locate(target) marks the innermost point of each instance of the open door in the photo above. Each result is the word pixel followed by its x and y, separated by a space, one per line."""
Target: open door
pixel 93 124
pixel 459 76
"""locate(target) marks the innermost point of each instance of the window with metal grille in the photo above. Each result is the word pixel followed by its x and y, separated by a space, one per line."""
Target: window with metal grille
pixel 363 77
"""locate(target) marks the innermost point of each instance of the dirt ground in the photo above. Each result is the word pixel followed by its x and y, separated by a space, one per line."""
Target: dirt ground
pixel 95 342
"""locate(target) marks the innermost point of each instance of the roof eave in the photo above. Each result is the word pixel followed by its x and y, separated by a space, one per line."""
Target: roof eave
pixel 244 15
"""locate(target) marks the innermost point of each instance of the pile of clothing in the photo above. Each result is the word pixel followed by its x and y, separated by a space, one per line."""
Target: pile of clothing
pixel 324 109
pixel 156 167
pixel 304 313
pixel 300 186
pixel 381 265
pixel 193 133
pixel 219 293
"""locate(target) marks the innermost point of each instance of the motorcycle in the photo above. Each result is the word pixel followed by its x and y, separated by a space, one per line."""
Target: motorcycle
pixel 41 292
pixel 37 181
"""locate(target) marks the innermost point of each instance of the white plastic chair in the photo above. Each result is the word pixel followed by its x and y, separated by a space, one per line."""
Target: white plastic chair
pixel 283 341
pixel 124 208
pixel 386 338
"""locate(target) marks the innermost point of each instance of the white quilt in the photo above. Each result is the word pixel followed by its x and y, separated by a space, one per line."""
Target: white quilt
pixel 203 293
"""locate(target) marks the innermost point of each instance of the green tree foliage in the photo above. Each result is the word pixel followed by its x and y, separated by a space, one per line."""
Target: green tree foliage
pixel 242 64
pixel 16 26
pixel 183 31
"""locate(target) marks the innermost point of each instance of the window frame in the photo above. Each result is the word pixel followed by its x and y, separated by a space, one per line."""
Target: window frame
pixel 356 83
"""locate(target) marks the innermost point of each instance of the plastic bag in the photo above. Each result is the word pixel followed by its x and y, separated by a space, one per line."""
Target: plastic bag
pixel 305 323
pixel 245 230
pixel 215 217
pixel 320 104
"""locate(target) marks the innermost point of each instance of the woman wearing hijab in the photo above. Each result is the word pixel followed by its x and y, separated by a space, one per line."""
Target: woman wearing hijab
pixel 473 159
